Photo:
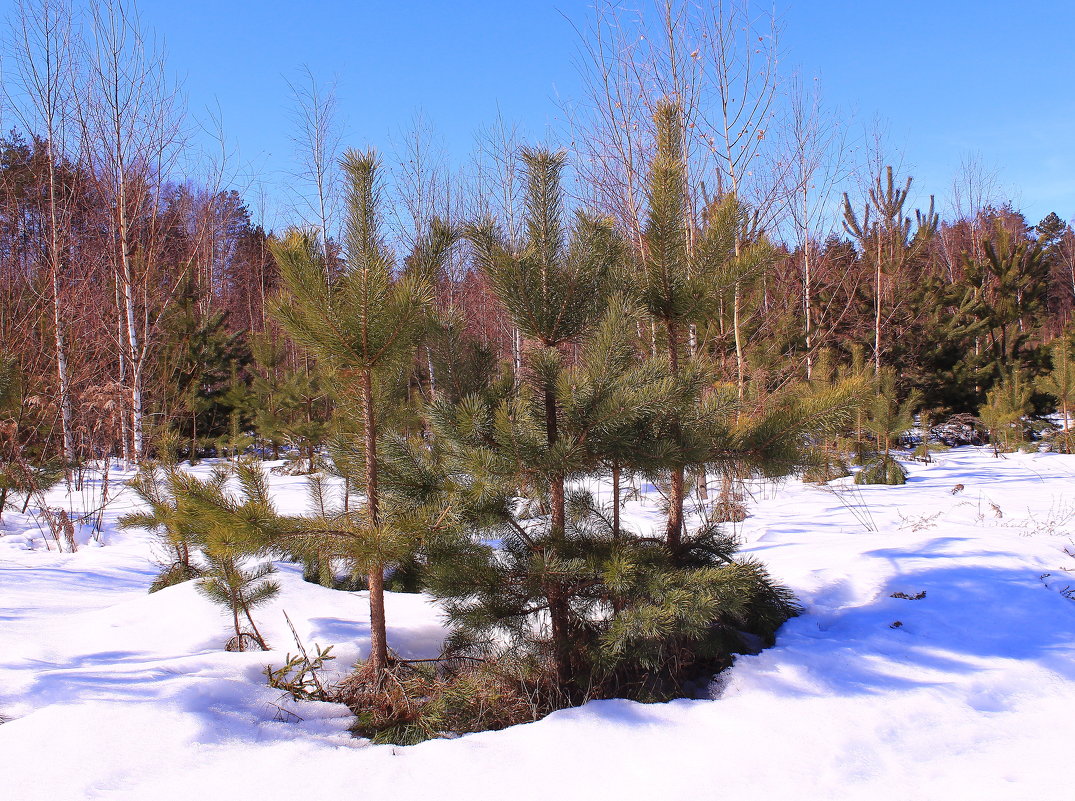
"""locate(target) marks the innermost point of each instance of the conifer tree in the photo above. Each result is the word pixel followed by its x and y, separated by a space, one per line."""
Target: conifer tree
pixel 1002 413
pixel 1060 384
pixel 673 289
pixel 683 272
pixel 213 534
pixel 887 419
pixel 365 324
pixel 553 288
pixel 885 235
pixel 156 485
pixel 1011 279
pixel 196 367
pixel 231 530
pixel 268 377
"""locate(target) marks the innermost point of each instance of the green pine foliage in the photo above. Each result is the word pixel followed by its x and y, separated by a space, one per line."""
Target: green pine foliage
pixel 233 529
pixel 365 324
pixel 887 418
pixel 1059 383
pixel 1003 412
pixel 215 534
pixel 1012 280
pixel 156 485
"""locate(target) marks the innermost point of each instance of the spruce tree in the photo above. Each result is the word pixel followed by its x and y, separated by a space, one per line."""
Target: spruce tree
pixel 364 323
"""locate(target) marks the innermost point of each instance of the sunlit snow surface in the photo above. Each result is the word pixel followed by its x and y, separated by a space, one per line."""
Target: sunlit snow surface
pixel 966 693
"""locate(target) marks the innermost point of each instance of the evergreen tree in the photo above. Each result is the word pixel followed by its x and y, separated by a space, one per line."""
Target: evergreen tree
pixel 885 237
pixel 640 618
pixel 199 368
pixel 290 402
pixel 1011 280
pixel 675 281
pixel 553 288
pixel 1060 384
pixel 231 530
pixel 156 486
pixel 200 516
pixel 365 324
pixel 887 418
pixel 1002 413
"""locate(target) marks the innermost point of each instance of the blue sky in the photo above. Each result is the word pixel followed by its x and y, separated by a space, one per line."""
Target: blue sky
pixel 948 80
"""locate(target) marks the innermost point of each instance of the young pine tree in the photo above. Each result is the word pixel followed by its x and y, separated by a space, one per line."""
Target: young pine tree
pixel 365 324
pixel 674 282
pixel 214 534
pixel 233 529
pixel 886 419
pixel 156 485
pixel 554 288
pixel 1060 384
pixel 1002 413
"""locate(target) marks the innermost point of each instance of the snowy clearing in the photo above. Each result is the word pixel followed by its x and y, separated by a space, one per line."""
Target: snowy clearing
pixel 960 686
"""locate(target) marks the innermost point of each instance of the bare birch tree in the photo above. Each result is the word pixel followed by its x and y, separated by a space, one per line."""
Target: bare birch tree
pixel 316 137
pixel 43 58
pixel 813 151
pixel 131 115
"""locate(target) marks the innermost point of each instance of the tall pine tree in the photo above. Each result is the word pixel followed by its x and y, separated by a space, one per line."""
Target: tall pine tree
pixel 365 323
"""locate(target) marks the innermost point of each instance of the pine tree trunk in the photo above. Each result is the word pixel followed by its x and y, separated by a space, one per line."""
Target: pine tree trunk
pixel 676 494
pixel 559 611
pixel 235 616
pixel 378 627
pixel 616 500
pixel 558 511
pixel 250 619
pixel 677 490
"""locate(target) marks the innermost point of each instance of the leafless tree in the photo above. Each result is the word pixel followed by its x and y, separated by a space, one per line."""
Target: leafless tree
pixel 316 137
pixel 495 190
pixel 419 179
pixel 42 54
pixel 813 150
pixel 132 118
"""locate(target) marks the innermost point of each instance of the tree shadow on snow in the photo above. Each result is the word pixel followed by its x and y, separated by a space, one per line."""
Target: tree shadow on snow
pixel 972 620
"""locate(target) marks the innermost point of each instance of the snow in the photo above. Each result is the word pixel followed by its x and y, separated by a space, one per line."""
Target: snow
pixel 965 692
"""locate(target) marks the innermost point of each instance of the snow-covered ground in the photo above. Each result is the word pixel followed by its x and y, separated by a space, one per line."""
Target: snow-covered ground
pixel 963 690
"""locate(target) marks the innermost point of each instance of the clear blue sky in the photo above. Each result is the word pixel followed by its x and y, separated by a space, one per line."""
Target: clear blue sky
pixel 949 78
